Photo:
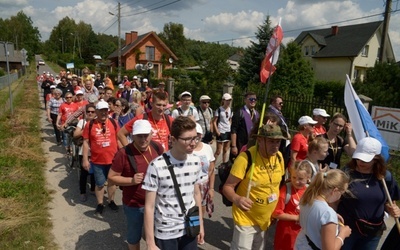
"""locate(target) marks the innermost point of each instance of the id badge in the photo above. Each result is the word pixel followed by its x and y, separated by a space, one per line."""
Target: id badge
pixel 105 144
pixel 333 165
pixel 272 198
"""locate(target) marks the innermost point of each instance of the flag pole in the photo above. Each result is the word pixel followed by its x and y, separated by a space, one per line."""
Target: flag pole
pixel 261 117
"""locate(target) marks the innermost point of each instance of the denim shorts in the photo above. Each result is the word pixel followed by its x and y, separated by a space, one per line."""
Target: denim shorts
pixel 184 243
pixel 100 173
pixel 224 137
pixel 134 220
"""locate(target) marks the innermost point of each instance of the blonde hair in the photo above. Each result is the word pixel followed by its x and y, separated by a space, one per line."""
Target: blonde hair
pixel 303 166
pixel 316 144
pixel 137 96
pixel 322 183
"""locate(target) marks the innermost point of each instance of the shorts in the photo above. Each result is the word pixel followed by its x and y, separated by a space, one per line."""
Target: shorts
pixel 247 237
pixel 100 173
pixel 134 220
pixel 224 137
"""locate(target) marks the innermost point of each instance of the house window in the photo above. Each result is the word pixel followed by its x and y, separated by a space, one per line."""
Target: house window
pixel 364 51
pixel 356 73
pixel 313 50
pixel 150 53
pixel 306 51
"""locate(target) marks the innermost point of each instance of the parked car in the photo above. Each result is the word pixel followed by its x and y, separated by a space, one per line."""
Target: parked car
pixel 41 62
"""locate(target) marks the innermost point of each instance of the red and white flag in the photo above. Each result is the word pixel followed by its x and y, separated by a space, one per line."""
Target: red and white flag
pixel 271 54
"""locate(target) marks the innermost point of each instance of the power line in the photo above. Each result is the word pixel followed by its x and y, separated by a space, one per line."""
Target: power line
pixel 127 4
pixel 145 7
pixel 310 27
pixel 109 26
pixel 159 7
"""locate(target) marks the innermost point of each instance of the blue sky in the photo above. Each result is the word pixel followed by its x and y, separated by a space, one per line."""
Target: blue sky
pixel 230 21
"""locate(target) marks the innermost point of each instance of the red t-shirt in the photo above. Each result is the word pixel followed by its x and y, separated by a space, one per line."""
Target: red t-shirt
pixel 286 231
pixel 67 109
pixel 160 128
pixel 319 130
pixel 299 144
pixel 103 146
pixel 82 103
pixel 133 196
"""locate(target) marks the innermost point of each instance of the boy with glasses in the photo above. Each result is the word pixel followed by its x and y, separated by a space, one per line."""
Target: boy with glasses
pixel 163 218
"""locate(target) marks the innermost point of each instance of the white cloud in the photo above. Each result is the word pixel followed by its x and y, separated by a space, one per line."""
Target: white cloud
pixel 13 3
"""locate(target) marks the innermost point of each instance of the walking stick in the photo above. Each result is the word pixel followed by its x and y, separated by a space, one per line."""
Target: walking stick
pixel 390 202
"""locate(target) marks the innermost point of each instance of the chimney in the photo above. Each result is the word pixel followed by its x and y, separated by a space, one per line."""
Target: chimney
pixel 128 38
pixel 335 30
pixel 134 35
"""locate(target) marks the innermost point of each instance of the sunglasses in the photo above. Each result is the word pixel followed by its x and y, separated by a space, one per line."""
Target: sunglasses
pixel 280 104
pixel 68 97
pixel 90 112
pixel 101 93
pixel 205 102
pixel 252 99
pixel 227 115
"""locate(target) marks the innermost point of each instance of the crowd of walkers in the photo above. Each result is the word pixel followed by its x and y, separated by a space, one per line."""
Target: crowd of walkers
pixel 161 156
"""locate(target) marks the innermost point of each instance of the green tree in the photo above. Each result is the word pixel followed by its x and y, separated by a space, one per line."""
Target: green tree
pixel 249 71
pixel 293 75
pixel 381 84
pixel 172 35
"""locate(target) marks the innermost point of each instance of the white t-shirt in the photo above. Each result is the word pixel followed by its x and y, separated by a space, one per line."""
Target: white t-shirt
pixel 312 218
pixel 191 111
pixel 81 124
pixel 206 156
pixel 169 222
pixel 224 124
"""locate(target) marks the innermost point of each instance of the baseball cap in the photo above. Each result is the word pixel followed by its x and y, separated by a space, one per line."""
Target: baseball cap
pixel 204 97
pixel 102 105
pixel 185 93
pixel 199 129
pixel 52 86
pixel 271 132
pixel 306 120
pixel 321 112
pixel 134 78
pixel 79 92
pixel 226 96
pixel 121 86
pixel 145 80
pixel 367 148
pixel 141 127
pixel 128 84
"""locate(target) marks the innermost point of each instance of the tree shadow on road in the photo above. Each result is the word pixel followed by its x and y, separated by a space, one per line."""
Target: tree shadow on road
pixel 217 234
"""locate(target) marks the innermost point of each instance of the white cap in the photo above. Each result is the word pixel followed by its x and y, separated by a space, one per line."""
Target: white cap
pixel 121 86
pixel 52 86
pixel 321 112
pixel 145 80
pixel 141 127
pixel 102 105
pixel 185 93
pixel 134 78
pixel 204 97
pixel 79 92
pixel 199 129
pixel 306 120
pixel 367 148
pixel 226 96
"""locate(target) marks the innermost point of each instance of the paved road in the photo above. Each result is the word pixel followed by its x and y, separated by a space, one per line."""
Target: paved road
pixel 76 227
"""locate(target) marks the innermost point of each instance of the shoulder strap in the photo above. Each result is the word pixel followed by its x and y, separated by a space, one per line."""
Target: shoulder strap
pixel 168 122
pixel 90 129
pixel 132 161
pixel 190 110
pixel 249 161
pixel 173 177
pixel 179 111
pixel 156 147
pixel 113 123
pixel 288 192
pixel 210 110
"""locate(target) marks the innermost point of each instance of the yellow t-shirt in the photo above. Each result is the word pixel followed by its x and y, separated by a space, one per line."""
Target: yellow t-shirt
pixel 267 174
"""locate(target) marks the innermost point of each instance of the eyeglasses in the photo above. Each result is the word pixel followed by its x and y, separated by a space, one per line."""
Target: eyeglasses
pixel 338 125
pixel 190 140
pixel 252 99
pixel 68 97
pixel 90 112
pixel 205 102
pixel 101 93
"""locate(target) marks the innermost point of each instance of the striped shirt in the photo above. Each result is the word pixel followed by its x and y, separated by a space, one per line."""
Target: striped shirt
pixel 168 218
pixel 54 105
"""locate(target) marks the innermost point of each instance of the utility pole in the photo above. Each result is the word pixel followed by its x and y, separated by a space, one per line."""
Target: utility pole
pixel 385 30
pixel 119 42
pixel 6 52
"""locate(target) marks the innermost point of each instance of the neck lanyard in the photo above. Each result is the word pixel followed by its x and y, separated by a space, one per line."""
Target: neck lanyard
pixel 270 170
pixel 144 157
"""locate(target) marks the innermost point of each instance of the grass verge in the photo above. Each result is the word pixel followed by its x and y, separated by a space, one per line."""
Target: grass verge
pixel 24 219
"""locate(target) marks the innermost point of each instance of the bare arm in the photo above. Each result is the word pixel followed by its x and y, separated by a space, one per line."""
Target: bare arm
pixel 211 179
pixel 229 191
pixel 293 155
pixel 122 133
pixel 287 217
pixel 328 236
pixel 85 154
pixel 78 132
pixel 215 125
pixel 351 146
pixel 117 179
pixel 149 219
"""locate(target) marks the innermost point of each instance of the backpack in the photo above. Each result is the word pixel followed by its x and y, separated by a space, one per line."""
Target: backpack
pixel 219 114
pixel 289 191
pixel 91 125
pixel 180 111
pixel 224 171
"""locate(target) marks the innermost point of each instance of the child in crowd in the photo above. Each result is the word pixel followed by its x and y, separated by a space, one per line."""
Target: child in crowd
pixel 317 151
pixel 319 222
pixel 287 210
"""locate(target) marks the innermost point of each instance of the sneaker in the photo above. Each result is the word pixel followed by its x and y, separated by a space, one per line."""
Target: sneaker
pixel 99 209
pixel 83 197
pixel 113 206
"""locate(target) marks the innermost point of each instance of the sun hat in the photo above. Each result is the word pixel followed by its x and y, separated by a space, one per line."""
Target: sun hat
pixel 199 129
pixel 321 112
pixel 367 148
pixel 306 120
pixel 204 97
pixel 226 96
pixel 141 127
pixel 102 105
pixel 120 86
pixel 145 80
pixel 271 131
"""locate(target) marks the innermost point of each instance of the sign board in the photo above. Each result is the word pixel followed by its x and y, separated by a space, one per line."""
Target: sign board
pixel 70 65
pixel 387 120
